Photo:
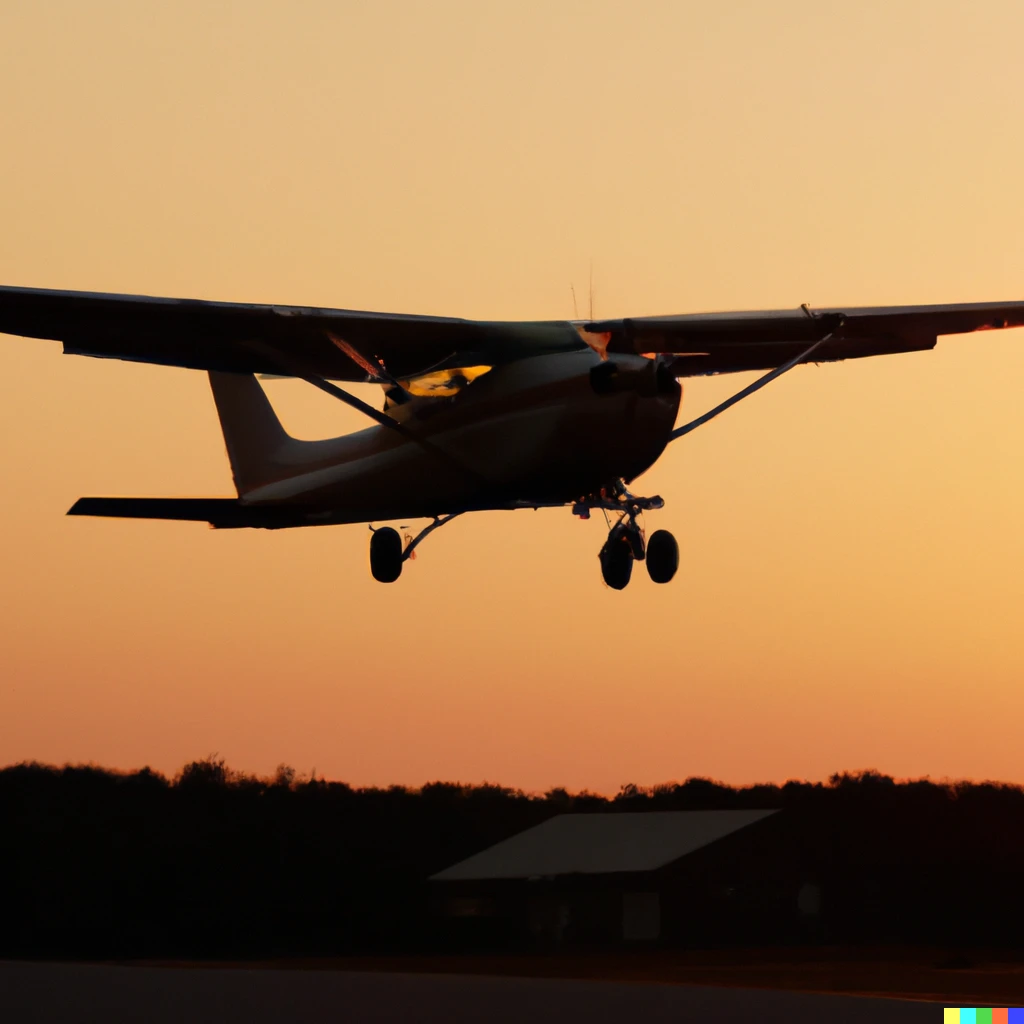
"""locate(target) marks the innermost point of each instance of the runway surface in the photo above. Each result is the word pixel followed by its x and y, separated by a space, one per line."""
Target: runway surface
pixel 33 993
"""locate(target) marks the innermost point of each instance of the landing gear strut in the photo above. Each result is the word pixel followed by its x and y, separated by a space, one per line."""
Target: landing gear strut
pixel 626 543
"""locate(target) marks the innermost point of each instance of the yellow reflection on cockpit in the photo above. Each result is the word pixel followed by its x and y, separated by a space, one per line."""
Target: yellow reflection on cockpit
pixel 443 383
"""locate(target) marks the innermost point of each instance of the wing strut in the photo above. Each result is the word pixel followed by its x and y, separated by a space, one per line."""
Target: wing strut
pixel 758 384
pixel 291 368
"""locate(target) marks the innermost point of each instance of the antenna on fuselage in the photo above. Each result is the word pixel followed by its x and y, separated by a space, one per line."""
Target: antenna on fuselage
pixel 591 289
pixel 575 310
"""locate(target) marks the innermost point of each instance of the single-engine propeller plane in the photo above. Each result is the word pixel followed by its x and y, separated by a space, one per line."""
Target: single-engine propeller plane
pixel 476 415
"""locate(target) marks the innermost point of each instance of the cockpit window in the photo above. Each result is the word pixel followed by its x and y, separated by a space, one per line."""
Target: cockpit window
pixel 443 383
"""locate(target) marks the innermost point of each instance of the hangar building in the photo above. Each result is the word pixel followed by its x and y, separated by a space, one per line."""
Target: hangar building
pixel 670 877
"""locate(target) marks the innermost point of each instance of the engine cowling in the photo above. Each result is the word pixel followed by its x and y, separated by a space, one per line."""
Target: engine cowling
pixel 611 377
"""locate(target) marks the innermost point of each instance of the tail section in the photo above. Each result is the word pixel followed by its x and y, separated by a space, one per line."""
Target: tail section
pixel 257 443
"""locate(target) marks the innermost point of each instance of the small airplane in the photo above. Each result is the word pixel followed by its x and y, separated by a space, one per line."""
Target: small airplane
pixel 477 415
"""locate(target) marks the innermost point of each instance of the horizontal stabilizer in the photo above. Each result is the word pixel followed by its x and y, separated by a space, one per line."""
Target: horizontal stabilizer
pixel 224 513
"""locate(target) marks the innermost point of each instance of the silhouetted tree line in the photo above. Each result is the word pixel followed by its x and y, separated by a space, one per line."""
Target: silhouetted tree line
pixel 214 862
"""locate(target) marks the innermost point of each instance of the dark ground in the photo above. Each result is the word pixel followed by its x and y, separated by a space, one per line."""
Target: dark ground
pixel 952 977
pixel 214 864
pixel 221 897
pixel 35 993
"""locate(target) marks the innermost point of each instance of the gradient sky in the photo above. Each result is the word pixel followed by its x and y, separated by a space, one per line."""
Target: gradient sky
pixel 851 591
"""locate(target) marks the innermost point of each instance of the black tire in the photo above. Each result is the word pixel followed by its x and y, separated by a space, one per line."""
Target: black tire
pixel 662 556
pixel 386 555
pixel 616 561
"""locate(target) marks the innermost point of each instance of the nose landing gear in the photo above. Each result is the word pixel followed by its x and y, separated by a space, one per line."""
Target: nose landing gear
pixel 626 543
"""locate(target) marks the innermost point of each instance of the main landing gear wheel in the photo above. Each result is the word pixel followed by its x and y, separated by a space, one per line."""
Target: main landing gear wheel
pixel 386 555
pixel 662 556
pixel 388 551
pixel 617 559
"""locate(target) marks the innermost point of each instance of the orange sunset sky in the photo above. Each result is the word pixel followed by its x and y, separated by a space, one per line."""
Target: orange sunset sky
pixel 851 590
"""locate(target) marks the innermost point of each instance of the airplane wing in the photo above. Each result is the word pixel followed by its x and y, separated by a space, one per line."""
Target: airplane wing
pixel 704 343
pixel 341 344
pixel 242 337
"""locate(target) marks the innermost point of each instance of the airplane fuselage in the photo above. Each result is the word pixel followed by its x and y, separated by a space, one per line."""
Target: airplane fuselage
pixel 544 430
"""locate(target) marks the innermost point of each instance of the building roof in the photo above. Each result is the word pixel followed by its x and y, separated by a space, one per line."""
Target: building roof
pixel 593 844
